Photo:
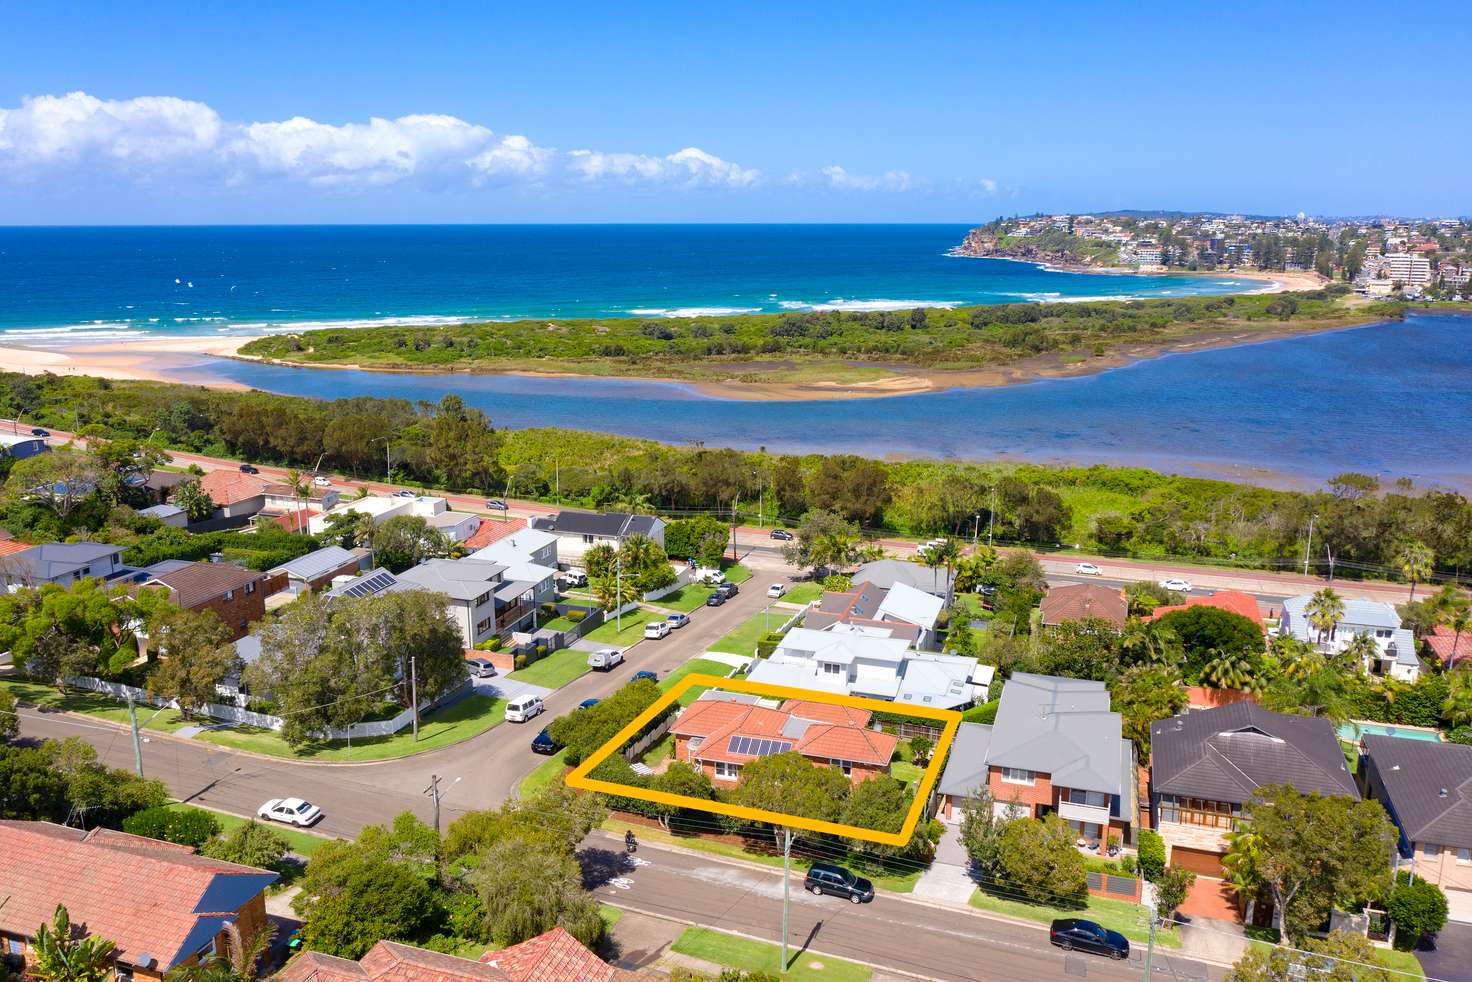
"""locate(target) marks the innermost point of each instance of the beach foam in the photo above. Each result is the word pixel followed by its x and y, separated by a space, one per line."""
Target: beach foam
pixel 870 305
pixel 693 311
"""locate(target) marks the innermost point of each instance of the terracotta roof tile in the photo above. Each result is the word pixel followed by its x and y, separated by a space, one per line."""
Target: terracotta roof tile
pixel 1448 647
pixel 492 532
pixel 1082 600
pixel 1234 601
pixel 231 487
pixel 552 957
pixel 142 895
pixel 9 547
pixel 827 712
pixel 850 743
pixel 198 583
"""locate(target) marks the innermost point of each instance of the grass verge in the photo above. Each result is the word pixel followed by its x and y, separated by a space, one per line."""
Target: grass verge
pixel 547 772
pixel 803 593
pixel 555 670
pixel 302 843
pixel 94 704
pixel 1117 915
pixel 685 599
pixel 467 718
pixel 695 666
pixel 731 951
pixel 735 572
pixel 742 641
pixel 632 633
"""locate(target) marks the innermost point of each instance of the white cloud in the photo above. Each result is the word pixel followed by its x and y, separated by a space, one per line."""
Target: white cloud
pixel 381 151
pixel 691 167
pixel 49 132
pixel 988 185
pixel 890 180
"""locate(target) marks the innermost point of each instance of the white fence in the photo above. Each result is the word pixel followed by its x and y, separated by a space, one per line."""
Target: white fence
pixel 245 717
pixel 683 577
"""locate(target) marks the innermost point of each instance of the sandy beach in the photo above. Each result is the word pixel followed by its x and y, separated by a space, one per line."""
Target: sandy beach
pixel 147 360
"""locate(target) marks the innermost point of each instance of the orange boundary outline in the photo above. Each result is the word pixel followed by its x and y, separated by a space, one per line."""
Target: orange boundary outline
pixel 949 719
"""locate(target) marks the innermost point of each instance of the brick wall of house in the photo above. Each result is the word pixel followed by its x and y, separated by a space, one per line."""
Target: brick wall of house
pixel 323 582
pixel 1444 870
pixel 1040 792
pixel 245 607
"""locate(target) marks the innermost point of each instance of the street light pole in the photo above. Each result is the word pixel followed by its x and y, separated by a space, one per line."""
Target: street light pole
pixel 991 519
pixel 618 594
pixel 137 744
pixel 414 695
pixel 1310 545
pixel 786 890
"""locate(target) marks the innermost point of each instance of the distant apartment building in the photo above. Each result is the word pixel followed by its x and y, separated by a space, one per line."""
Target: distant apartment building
pixel 1455 274
pixel 1147 253
pixel 1407 268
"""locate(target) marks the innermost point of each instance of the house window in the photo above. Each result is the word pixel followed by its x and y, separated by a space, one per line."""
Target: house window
pixel 1464 856
pixel 14 946
pixel 482 627
pixel 229 594
pixel 1201 811
pixel 1382 632
pixel 1018 775
pixel 1431 849
pixel 728 771
pixel 587 539
pixel 1094 799
pixel 829 668
pixel 844 765
pixel 249 589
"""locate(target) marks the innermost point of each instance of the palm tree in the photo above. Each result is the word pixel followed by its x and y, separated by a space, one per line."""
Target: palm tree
pixel 237 963
pixel 834 550
pixel 62 956
pixel 1228 669
pixel 1147 643
pixel 1458 705
pixel 300 491
pixel 1459 622
pixel 1416 563
pixel 1298 659
pixel 945 554
pixel 1325 610
pixel 1361 651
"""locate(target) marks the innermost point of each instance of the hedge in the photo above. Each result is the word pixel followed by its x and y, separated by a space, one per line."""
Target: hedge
pixel 186 826
pixel 985 714
pixel 1152 854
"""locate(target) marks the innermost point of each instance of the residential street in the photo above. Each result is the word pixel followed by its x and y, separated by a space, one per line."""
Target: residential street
pixel 893 932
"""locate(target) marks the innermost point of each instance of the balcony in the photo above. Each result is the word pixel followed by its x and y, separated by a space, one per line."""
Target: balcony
pixel 1073 811
pixel 507 616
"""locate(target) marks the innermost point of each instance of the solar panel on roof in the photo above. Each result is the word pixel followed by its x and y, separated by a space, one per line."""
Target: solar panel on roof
pixel 373 584
pixel 757 747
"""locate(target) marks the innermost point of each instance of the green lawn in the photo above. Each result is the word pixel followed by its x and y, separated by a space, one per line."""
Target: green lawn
pixel 1127 918
pixel 610 916
pixel 695 666
pixel 894 883
pixel 803 593
pixel 469 717
pixel 301 843
pixel 731 951
pixel 563 623
pixel 906 772
pixel 735 572
pixel 554 671
pixel 661 750
pixel 685 599
pixel 607 632
pixel 742 641
pixel 94 704
pixel 547 772
pixel 1400 961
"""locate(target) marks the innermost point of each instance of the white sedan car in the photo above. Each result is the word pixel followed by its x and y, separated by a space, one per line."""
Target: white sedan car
pixel 1088 569
pixel 776 590
pixel 322 482
pixel 292 811
pixel 1177 585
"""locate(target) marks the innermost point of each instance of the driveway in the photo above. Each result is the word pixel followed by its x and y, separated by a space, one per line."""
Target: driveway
pixel 502 687
pixel 949 877
pixel 1449 957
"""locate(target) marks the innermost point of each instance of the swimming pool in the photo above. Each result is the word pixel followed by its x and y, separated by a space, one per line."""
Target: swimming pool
pixel 1351 732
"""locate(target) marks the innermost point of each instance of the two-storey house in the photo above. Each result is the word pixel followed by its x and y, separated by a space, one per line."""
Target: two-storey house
pixel 1426 788
pixel 897 611
pixel 63 563
pixel 1204 766
pixel 579 531
pixel 1055 748
pixel 1395 645
pixel 485 600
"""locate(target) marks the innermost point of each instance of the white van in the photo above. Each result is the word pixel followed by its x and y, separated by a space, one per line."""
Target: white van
pixel 710 576
pixel 523 708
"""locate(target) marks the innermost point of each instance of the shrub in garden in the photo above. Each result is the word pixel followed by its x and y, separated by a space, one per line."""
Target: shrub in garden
pixel 186 826
pixel 1152 854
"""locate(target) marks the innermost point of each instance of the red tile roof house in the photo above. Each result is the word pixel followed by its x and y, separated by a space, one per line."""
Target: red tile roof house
pixel 234 493
pixel 552 957
pixel 159 903
pixel 1084 600
pixel 237 596
pixel 721 737
pixel 1448 647
pixel 1232 601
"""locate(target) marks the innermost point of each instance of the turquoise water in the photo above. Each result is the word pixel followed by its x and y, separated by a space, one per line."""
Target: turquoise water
pixel 1387 399
pixel 1352 732
pixel 71 284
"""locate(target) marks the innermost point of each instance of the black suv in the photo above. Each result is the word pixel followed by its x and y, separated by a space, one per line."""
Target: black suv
pixel 835 880
pixel 1069 933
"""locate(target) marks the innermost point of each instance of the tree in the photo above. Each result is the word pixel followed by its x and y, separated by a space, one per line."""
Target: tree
pixel 238 961
pixel 855 487
pixel 463 448
pixel 1081 649
pixel 1416 563
pixel 30 787
pixel 348 529
pixel 60 480
pixel 1147 643
pixel 644 561
pixel 405 541
pixel 9 716
pixel 1460 621
pixel 1325 609
pixel 1144 694
pixel 880 803
pixel 822 541
pixel 1340 957
pixel 981 829
pixel 80 629
pixel 791 784
pixel 614 589
pixel 63 954
pixel 1037 859
pixel 685 537
pixel 249 844
pixel 1359 652
pixel 1457 709
pixel 528 889
pixel 1311 851
pixel 1417 908
pixel 1204 632
pixel 197 504
pixel 1230 669
pixel 198 656
pixel 185 826
pixel 1171 889
pixel 682 779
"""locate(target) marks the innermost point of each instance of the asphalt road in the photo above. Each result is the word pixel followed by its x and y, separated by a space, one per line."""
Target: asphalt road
pixel 354 795
pixel 893 932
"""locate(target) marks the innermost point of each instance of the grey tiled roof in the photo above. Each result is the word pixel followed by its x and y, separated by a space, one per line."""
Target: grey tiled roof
pixel 1428 786
pixel 1062 727
pixel 885 573
pixel 966 769
pixel 609 523
pixel 1226 754
pixel 318 563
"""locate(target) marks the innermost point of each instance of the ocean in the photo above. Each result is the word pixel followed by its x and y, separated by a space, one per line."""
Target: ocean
pixel 61 285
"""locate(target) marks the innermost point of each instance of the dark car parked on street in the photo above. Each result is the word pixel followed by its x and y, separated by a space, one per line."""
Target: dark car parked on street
pixel 543 743
pixel 1075 933
pixel 837 882
pixel 715 599
pixel 644 675
pixel 728 589
pixel 782 535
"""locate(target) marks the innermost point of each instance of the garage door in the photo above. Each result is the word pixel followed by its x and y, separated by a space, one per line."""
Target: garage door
pixel 1198 861
pixel 1459 905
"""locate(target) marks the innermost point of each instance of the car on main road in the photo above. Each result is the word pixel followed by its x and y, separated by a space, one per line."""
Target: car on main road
pixel 496 504
pixel 836 881
pixel 677 621
pixel 522 709
pixel 39 432
pixel 1176 585
pixel 249 469
pixel 782 535
pixel 291 811
pixel 605 659
pixel 715 599
pixel 776 590
pixel 403 493
pixel 1075 933
pixel 641 676
pixel 543 743
pixel 481 668
pixel 656 630
pixel 322 481
pixel 1088 569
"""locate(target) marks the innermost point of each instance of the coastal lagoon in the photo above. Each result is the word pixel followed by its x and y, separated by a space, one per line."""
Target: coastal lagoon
pixel 70 285
pixel 1390 399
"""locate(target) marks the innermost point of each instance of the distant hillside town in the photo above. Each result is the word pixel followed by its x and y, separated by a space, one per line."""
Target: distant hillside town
pixel 1429 258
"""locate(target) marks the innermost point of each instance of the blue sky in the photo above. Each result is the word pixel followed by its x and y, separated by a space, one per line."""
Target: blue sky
pixel 175 112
